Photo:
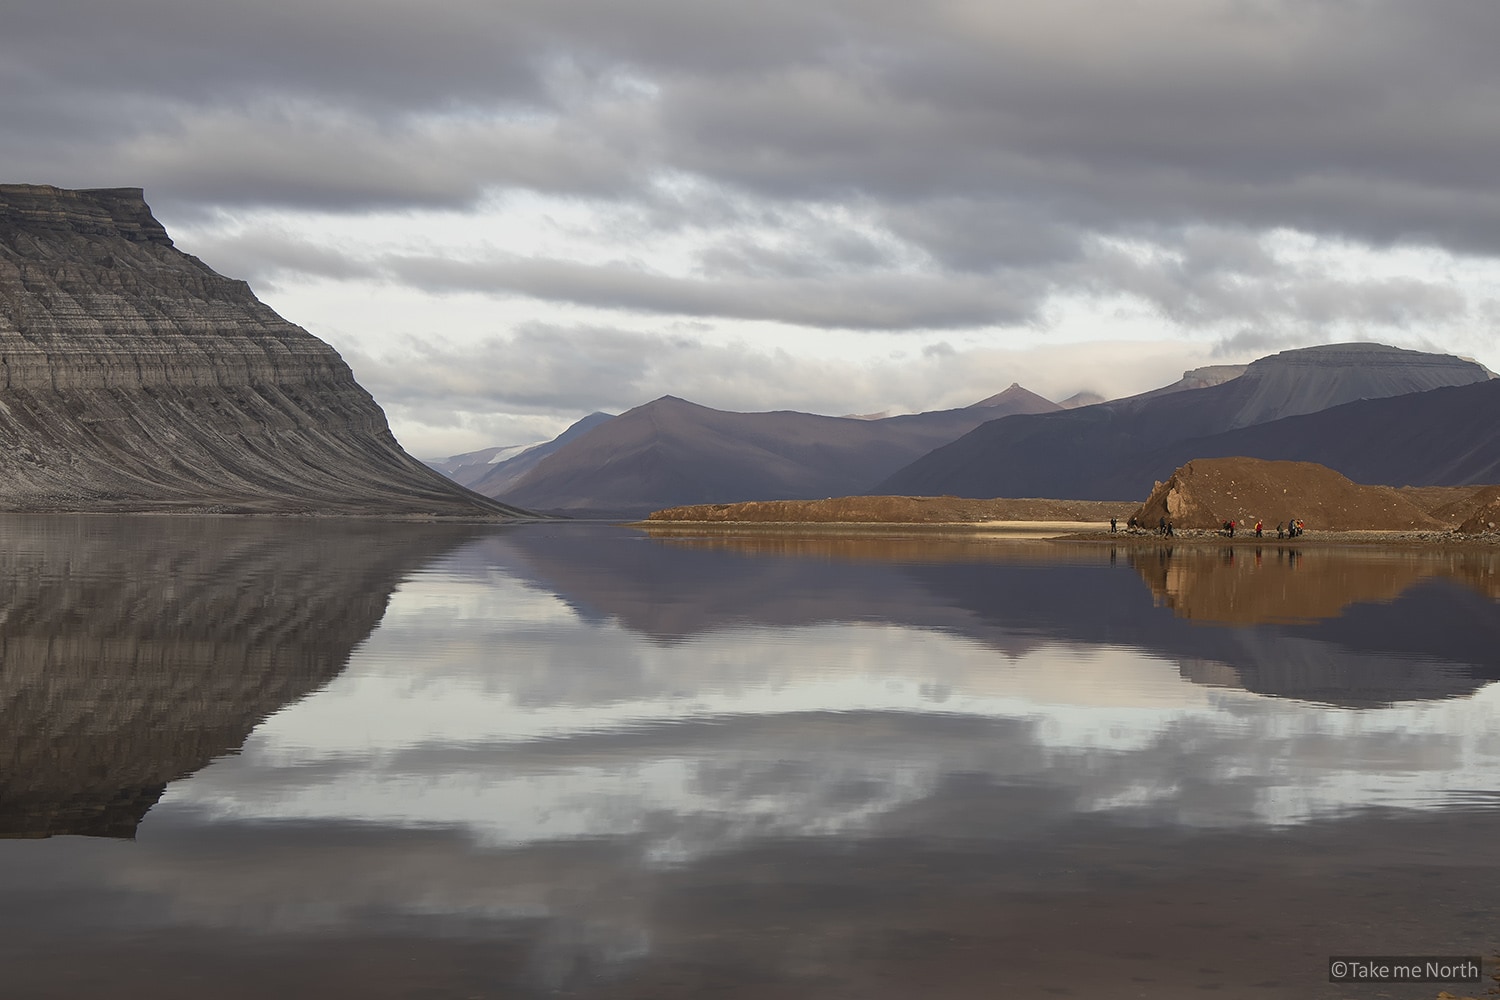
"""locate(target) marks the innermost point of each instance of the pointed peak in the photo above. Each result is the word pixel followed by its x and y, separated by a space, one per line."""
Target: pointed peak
pixel 1014 396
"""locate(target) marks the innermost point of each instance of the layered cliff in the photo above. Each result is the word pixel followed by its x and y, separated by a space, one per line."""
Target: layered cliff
pixel 133 377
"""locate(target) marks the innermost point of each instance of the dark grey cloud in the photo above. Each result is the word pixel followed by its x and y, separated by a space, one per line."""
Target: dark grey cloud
pixel 1376 120
pixel 891 300
pixel 844 164
pixel 264 255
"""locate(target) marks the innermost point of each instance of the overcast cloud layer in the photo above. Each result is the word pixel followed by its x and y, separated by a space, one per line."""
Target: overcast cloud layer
pixel 544 207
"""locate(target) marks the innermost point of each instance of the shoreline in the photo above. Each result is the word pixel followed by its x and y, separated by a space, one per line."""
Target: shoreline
pixel 1076 532
pixel 1037 530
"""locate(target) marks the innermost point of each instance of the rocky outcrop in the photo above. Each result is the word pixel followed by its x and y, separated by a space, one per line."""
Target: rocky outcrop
pixel 135 653
pixel 1481 511
pixel 1207 492
pixel 133 377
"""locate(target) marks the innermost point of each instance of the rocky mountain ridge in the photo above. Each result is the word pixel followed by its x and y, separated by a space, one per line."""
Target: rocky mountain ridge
pixel 1115 449
pixel 134 377
pixel 671 452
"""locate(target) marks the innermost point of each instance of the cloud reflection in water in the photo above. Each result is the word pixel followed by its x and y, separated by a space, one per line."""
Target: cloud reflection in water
pixel 493 708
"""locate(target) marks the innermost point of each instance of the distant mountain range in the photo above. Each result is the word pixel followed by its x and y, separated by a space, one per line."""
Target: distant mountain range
pixel 671 452
pixel 1376 414
pixel 493 471
pixel 1118 449
pixel 1442 437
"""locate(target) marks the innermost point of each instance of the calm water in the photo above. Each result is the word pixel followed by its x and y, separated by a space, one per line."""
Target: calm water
pixel 250 759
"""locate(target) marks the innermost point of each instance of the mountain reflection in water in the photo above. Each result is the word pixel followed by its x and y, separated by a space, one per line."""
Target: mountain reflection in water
pixel 575 759
pixel 135 650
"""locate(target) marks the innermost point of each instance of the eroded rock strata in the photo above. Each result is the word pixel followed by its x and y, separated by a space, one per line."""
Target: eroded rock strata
pixel 134 377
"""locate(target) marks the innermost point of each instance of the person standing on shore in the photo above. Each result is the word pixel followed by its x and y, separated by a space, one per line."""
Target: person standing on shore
pixel 1112 523
pixel 1258 527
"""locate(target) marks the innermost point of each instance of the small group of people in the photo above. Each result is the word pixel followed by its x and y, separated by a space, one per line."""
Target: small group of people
pixel 1291 529
pixel 1163 527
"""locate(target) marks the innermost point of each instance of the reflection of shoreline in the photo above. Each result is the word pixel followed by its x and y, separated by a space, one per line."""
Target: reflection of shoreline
pixel 135 650
pixel 1273 582
pixel 1082 533
pixel 1434 541
pixel 1194 564
pixel 973 530
pixel 1432 639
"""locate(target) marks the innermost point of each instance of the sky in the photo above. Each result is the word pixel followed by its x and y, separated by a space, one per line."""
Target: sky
pixel 506 214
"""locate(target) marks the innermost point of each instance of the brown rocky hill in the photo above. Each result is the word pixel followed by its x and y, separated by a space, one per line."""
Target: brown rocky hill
pixel 1206 492
pixel 133 377
pixel 1480 511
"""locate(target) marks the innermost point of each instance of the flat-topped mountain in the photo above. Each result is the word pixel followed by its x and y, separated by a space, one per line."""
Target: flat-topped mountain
pixel 133 377
pixel 1114 449
pixel 671 452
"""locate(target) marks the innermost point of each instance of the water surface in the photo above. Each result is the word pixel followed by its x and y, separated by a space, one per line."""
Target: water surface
pixel 250 758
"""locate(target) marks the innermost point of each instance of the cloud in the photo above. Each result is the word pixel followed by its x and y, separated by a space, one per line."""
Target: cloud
pixel 874 300
pixel 1215 277
pixel 1083 115
pixel 570 371
pixel 1214 171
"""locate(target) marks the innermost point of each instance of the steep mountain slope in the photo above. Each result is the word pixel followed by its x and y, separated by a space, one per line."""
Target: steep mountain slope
pixel 671 452
pixel 471 465
pixel 503 476
pixel 133 377
pixel 1114 450
pixel 1442 437
pixel 1015 398
pixel 516 459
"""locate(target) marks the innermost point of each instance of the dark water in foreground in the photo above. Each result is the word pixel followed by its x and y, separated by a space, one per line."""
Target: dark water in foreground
pixel 251 759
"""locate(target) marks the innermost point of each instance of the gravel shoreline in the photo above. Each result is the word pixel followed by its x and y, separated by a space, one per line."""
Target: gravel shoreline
pixel 1448 538
pixel 1050 531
